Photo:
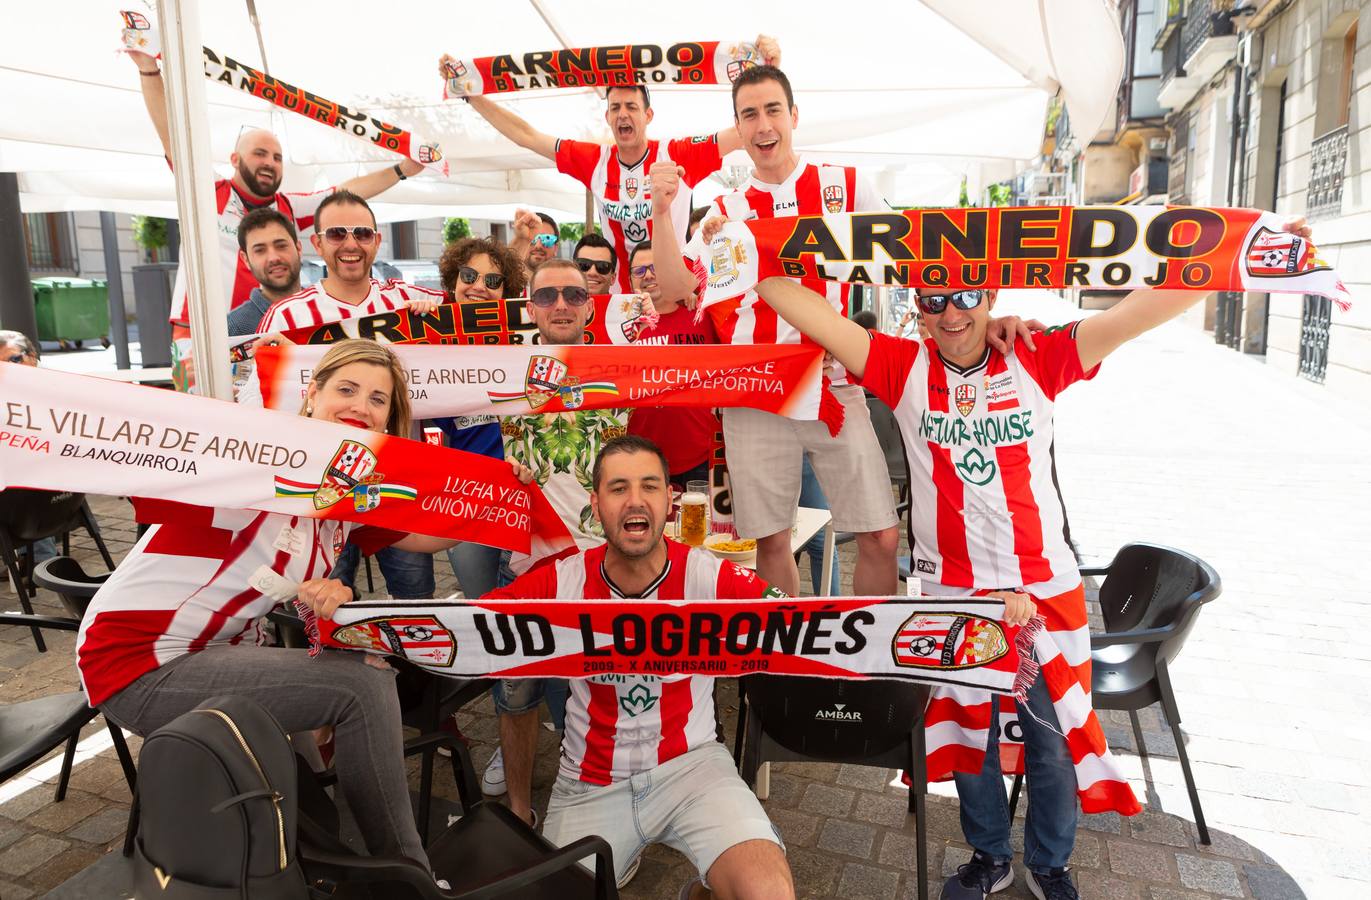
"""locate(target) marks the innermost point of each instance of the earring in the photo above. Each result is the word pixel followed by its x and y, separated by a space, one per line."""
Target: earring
pixel 309 410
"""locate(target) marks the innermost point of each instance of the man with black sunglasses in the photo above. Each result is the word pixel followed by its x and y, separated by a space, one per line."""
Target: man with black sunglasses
pixel 560 448
pixel 595 257
pixel 984 516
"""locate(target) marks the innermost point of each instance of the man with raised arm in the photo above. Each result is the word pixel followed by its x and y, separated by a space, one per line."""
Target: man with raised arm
pixel 641 762
pixel 977 425
pixel 618 175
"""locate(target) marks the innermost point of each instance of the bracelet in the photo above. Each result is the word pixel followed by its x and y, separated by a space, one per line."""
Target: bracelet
pixel 399 174
pixel 155 73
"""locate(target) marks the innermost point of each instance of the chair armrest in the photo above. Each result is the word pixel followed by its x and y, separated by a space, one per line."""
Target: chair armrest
pixel 1143 636
pixel 1094 570
pixel 56 623
pixel 371 869
pixel 467 789
pixel 564 858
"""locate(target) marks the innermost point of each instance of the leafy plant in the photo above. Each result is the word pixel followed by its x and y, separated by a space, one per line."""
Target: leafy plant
pixel 571 232
pixel 150 232
pixel 454 229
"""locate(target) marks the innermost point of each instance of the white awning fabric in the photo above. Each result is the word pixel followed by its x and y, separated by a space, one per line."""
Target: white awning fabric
pixel 919 95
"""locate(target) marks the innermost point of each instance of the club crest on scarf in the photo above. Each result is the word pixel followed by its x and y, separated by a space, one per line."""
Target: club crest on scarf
pixel 351 471
pixel 948 641
pixel 834 197
pixel 725 256
pixel 421 639
pixel 548 379
pixel 1279 254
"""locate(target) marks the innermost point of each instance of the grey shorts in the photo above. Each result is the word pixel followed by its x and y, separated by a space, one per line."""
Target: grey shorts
pixel 764 468
pixel 696 803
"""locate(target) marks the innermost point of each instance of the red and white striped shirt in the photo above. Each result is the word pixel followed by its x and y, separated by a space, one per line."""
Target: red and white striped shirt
pixel 986 512
pixel 232 206
pixel 620 725
pixel 314 306
pixel 185 587
pixel 811 190
pixel 622 190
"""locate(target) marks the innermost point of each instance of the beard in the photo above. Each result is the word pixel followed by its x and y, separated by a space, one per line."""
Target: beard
pixel 280 282
pixel 249 177
pixel 614 536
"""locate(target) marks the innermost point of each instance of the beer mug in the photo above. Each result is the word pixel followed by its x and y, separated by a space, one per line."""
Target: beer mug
pixel 694 513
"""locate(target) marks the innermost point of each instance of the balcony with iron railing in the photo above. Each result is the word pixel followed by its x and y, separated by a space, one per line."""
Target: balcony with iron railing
pixel 1328 164
pixel 1193 52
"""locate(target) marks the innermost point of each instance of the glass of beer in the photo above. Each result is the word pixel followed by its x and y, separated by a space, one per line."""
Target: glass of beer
pixel 694 513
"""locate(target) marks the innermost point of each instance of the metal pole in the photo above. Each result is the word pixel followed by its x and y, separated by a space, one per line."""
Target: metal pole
pixel 114 278
pixel 16 293
pixel 188 120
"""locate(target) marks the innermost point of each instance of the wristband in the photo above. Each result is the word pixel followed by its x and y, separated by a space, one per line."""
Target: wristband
pixel 155 73
pixel 399 174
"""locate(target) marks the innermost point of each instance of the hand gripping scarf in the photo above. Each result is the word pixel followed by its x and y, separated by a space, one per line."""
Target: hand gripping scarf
pixel 64 432
pixel 1165 248
pixel 139 34
pixel 625 65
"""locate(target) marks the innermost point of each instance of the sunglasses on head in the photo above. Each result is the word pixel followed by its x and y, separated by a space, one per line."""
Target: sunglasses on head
pixel 493 280
pixel 604 267
pixel 546 240
pixel 936 303
pixel 336 234
pixel 641 271
pixel 546 297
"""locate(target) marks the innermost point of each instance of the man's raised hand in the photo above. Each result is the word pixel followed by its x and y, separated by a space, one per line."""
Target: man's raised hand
pixel 664 180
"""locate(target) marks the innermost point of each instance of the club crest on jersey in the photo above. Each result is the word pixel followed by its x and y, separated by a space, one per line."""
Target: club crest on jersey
pixel 420 638
pixel 631 186
pixel 1279 254
pixel 725 256
pixel 549 379
pixel 948 641
pixel 834 198
pixel 965 397
pixel 351 471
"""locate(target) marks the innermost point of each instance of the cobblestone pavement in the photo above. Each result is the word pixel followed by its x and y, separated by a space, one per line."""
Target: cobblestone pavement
pixel 1176 441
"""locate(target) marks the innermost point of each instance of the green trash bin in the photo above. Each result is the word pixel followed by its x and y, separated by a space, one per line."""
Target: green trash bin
pixel 71 310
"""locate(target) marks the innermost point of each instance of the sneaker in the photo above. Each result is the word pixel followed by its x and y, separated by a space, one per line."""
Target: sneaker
pixel 631 872
pixel 450 726
pixel 1053 885
pixel 979 878
pixel 493 781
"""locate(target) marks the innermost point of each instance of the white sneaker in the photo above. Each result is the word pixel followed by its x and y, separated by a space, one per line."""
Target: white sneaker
pixel 493 781
pixel 630 872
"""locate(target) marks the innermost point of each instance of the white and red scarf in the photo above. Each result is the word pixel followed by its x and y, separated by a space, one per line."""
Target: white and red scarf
pixel 623 65
pixel 139 34
pixel 65 432
pixel 1097 247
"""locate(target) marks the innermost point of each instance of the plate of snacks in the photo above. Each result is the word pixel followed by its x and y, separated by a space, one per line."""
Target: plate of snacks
pixel 726 546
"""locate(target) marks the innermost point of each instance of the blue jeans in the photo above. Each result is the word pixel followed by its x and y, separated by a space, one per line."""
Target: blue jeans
pixel 476 566
pixel 812 496
pixel 519 695
pixel 1050 824
pixel 409 576
pixel 44 549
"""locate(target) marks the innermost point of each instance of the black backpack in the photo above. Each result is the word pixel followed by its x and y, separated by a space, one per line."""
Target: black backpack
pixel 217 791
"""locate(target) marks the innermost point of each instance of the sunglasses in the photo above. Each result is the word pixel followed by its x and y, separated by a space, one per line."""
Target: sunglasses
pixel 493 280
pixel 604 267
pixel 336 234
pixel 546 297
pixel 936 303
pixel 546 240
pixel 641 271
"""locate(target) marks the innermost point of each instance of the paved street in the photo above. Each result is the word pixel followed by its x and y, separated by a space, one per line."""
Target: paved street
pixel 1177 441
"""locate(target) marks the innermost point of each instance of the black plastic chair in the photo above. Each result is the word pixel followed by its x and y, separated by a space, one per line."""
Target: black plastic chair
pixel 488 852
pixel 27 516
pixel 64 577
pixel 439 697
pixel 868 723
pixel 1150 598
pixel 30 729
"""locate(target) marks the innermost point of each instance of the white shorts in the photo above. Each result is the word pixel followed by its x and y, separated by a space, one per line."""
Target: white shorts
pixel 764 453
pixel 696 803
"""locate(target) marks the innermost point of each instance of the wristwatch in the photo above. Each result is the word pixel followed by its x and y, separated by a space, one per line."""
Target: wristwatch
pixel 398 173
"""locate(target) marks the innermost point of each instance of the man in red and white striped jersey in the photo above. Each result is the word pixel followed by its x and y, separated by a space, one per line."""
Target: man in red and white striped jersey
pixel 765 451
pixel 641 761
pixel 618 174
pixel 977 427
